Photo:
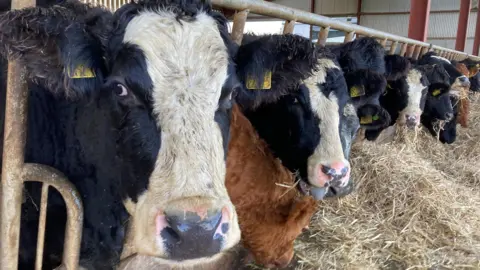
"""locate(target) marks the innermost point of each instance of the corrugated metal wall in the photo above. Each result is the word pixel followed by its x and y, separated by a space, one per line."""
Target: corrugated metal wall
pixel 324 7
pixel 442 27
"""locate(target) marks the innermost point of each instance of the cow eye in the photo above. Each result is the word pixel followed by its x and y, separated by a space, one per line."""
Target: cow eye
pixel 295 101
pixel 121 90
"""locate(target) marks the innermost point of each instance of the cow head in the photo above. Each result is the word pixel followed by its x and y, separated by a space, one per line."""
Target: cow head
pixel 365 88
pixel 295 97
pixel 405 94
pixel 160 72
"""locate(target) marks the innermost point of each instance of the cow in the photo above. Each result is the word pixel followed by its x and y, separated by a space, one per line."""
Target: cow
pixel 364 67
pixel 473 71
pixel 404 96
pixel 270 214
pixel 438 105
pixel 295 96
pixel 461 97
pixel 134 108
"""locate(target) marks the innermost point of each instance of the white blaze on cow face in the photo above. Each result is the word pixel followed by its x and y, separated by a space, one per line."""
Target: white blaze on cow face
pixel 415 95
pixel 187 63
pixel 329 152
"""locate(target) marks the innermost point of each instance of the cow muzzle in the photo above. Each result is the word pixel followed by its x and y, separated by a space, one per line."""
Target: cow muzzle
pixel 192 233
pixel 335 175
pixel 412 121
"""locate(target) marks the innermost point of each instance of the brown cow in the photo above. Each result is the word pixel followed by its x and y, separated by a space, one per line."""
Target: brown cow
pixel 271 215
pixel 464 102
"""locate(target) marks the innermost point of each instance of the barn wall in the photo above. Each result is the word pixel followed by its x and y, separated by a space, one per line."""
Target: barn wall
pixel 324 7
pixel 442 27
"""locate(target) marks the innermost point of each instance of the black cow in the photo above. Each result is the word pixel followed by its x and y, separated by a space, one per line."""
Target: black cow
pixel 134 108
pixel 364 66
pixel 448 133
pixel 296 98
pixel 438 106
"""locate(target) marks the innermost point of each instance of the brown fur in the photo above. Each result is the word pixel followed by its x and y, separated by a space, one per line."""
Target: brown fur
pixel 270 216
pixel 464 103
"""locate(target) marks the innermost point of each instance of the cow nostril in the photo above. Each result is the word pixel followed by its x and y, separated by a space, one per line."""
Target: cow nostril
pixel 192 234
pixel 448 116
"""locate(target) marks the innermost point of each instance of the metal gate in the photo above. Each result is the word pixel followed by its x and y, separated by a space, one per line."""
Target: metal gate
pixel 15 172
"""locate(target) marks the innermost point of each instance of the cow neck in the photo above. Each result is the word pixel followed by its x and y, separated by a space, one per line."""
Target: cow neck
pixel 250 160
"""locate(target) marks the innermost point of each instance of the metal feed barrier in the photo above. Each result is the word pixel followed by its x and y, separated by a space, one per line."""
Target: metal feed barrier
pixel 15 172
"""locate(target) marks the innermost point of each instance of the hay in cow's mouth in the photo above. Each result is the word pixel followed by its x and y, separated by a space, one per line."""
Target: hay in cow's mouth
pixel 416 206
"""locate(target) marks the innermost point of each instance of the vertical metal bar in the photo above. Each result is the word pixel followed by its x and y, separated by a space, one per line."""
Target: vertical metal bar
pixel 418 22
pixel 288 27
pixel 349 37
pixel 476 41
pixel 11 189
pixel 465 6
pixel 41 227
pixel 239 20
pixel 403 49
pixel 393 48
pixel 384 42
pixel 74 225
pixel 359 10
pixel 424 51
pixel 416 52
pixel 410 50
pixel 323 35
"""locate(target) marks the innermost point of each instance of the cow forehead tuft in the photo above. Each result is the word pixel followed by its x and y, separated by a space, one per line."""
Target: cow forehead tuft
pixel 414 77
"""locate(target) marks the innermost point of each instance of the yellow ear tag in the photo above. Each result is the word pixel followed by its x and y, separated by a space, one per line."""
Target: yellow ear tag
pixel 82 72
pixel 367 119
pixel 436 92
pixel 375 117
pixel 252 84
pixel 389 86
pixel 356 91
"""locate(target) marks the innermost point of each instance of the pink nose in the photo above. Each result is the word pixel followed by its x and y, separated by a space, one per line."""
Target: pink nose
pixel 336 174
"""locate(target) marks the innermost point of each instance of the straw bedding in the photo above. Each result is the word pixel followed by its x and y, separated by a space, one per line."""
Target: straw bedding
pixel 416 206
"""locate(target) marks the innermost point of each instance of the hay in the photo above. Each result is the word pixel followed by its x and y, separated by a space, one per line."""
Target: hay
pixel 416 206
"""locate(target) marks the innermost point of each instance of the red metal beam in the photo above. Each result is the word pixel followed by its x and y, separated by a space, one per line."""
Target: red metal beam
pixel 476 41
pixel 359 11
pixel 465 6
pixel 312 10
pixel 419 15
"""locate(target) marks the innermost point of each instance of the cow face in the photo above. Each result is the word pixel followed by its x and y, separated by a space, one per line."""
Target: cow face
pixel 405 98
pixel 365 88
pixel 299 115
pixel 161 73
pixel 438 105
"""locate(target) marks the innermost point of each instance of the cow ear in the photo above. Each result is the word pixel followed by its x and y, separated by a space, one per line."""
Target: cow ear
pixel 396 67
pixel 61 46
pixel 301 213
pixel 373 117
pixel 272 62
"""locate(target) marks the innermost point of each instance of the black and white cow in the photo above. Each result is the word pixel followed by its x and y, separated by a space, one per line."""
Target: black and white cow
pixel 405 94
pixel 364 67
pixel 134 107
pixel 443 86
pixel 296 97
